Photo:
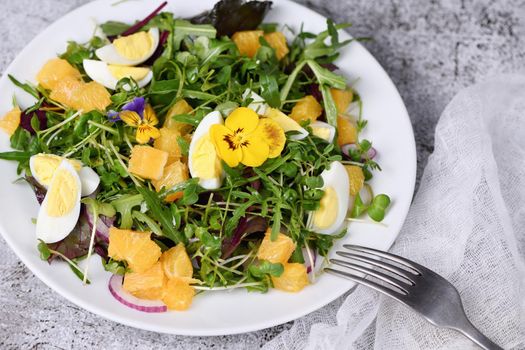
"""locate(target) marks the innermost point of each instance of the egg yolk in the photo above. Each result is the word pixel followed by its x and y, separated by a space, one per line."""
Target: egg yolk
pixel 206 163
pixel 62 194
pixel 135 46
pixel 136 73
pixel 321 132
pixel 325 216
pixel 45 165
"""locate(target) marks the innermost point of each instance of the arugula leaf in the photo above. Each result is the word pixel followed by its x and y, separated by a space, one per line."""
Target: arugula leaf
pixel 184 145
pixel 329 106
pixel 114 28
pixel 318 48
pixel 153 226
pixel 183 28
pixel 20 139
pixel 16 155
pixel 270 90
pixel 124 206
pixel 26 87
pixel 162 214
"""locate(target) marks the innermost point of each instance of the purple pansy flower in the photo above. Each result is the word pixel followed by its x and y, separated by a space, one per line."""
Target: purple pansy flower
pixel 136 105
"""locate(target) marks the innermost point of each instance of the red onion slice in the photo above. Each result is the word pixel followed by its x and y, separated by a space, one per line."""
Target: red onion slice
pixel 102 230
pixel 371 153
pixel 306 257
pixel 346 149
pixel 150 306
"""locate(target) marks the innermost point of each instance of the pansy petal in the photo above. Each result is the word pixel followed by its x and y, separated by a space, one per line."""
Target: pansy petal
pixel 150 117
pixel 146 132
pixel 113 116
pixel 273 134
pixel 242 120
pixel 131 118
pixel 255 151
pixel 227 151
pixel 136 105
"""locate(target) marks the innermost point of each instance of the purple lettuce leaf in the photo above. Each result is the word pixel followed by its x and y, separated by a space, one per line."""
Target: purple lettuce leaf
pixel 25 120
pixel 230 16
pixel 76 244
pixel 160 48
pixel 246 226
pixel 40 191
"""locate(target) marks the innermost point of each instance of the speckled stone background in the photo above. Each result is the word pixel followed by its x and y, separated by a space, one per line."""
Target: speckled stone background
pixel 431 49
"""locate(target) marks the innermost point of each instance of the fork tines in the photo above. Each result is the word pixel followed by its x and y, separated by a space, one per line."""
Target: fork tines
pixel 393 275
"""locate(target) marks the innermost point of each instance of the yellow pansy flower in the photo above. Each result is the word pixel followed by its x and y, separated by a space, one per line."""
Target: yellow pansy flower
pixel 246 139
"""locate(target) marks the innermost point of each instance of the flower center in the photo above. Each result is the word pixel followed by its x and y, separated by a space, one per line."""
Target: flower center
pixel 237 139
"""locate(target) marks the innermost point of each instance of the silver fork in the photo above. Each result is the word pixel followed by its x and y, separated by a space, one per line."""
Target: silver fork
pixel 413 285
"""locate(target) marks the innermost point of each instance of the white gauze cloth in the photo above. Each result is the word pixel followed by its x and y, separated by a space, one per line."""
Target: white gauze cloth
pixel 467 223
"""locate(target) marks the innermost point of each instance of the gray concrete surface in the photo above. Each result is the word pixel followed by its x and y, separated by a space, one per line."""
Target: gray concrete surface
pixel 431 49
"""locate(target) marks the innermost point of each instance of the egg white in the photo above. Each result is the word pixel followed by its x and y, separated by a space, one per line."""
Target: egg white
pixel 202 129
pixel 89 180
pixel 109 53
pixel 99 72
pixel 53 229
pixel 337 178
pixel 323 125
pixel 34 159
pixel 258 104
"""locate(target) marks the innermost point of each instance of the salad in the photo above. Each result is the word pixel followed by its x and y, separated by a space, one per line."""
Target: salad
pixel 195 155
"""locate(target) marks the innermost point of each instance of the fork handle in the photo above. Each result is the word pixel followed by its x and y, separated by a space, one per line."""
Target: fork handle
pixel 471 332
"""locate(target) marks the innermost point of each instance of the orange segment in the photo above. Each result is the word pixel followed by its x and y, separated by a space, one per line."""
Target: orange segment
pixel 173 174
pixel 278 251
pixel 92 96
pixel 342 98
pixel 277 41
pixel 356 178
pixel 306 108
pixel 136 248
pixel 11 120
pixel 81 96
pixel 54 71
pixel 293 279
pixel 121 242
pixel 346 131
pixel 65 90
pixel 247 42
pixel 176 263
pixel 181 107
pixel 147 162
pixel 148 255
pixel 167 141
pixel 148 284
pixel 178 294
pixel 172 197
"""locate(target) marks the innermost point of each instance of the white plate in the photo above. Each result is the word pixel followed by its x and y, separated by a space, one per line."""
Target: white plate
pixel 214 313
